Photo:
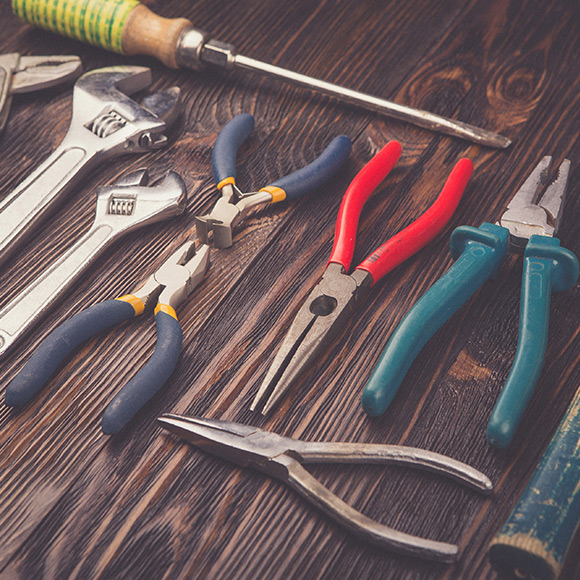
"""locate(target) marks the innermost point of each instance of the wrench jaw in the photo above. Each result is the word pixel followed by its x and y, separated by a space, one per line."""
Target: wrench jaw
pixel 131 202
pixel 121 125
pixel 24 74
pixel 8 63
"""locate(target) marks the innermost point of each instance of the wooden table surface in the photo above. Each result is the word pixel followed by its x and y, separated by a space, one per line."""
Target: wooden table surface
pixel 78 504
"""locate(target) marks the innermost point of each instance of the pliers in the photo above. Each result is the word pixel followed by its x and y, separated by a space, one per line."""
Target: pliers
pixel 234 205
pixel 25 74
pixel 530 222
pixel 332 301
pixel 168 287
pixel 282 458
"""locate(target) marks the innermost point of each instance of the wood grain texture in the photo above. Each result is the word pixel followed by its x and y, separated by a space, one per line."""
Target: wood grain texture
pixel 77 504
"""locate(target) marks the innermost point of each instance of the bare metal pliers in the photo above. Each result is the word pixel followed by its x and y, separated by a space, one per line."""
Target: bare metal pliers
pixel 168 287
pixel 282 457
pixel 25 74
pixel 531 221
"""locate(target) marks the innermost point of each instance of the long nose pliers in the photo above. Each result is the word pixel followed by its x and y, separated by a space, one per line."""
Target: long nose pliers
pixel 233 205
pixel 282 458
pixel 331 302
pixel 530 221
pixel 168 287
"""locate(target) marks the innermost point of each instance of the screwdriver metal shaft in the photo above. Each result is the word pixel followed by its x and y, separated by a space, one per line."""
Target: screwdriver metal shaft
pixel 128 27
pixel 415 116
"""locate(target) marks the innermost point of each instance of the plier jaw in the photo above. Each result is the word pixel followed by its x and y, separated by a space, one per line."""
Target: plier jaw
pixel 531 213
pixel 318 321
pixel 172 283
pixel 230 209
pixel 242 444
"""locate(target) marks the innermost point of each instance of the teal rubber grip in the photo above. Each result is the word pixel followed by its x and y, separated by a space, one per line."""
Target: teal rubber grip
pixel 547 267
pixel 225 149
pixel 59 344
pixel 478 253
pixel 317 173
pixel 149 380
pixel 536 537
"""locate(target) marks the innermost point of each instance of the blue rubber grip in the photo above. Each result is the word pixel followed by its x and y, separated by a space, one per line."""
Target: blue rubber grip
pixel 479 253
pixel 314 175
pixel 547 268
pixel 149 380
pixel 230 139
pixel 59 344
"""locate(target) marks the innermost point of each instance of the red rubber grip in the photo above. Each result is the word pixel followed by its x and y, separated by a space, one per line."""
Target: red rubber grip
pixel 360 189
pixel 419 233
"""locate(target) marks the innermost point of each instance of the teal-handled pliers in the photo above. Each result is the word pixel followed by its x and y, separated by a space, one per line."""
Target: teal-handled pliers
pixel 528 222
pixel 167 288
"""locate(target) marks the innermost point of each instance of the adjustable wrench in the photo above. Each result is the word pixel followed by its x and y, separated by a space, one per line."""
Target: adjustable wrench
pixel 122 207
pixel 24 74
pixel 105 123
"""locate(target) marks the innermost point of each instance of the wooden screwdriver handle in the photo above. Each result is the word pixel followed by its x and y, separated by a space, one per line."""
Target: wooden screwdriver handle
pixel 148 34
pixel 534 540
pixel 123 26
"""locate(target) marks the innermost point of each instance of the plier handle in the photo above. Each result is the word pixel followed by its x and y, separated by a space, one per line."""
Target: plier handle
pixel 530 220
pixel 282 458
pixel 167 288
pixel 234 204
pixel 331 302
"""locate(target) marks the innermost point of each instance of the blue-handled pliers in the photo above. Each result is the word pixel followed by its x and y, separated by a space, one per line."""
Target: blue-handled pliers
pixel 167 288
pixel 233 205
pixel 528 222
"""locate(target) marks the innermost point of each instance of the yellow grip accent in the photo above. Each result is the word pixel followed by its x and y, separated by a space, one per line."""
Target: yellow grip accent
pixel 98 22
pixel 226 181
pixel 137 304
pixel 167 309
pixel 277 193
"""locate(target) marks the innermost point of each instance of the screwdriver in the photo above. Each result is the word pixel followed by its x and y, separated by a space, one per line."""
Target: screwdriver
pixel 128 27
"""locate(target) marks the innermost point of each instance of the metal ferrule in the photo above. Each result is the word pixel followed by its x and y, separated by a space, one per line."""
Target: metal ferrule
pixel 189 48
pixel 219 53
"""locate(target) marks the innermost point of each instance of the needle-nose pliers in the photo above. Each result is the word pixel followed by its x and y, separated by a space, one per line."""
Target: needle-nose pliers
pixel 168 287
pixel 282 457
pixel 479 252
pixel 332 300
pixel 233 205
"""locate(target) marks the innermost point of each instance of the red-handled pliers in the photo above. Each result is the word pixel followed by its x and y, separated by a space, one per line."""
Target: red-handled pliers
pixel 332 300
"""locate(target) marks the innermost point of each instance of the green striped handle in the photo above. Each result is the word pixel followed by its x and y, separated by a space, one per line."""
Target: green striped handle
pixel 123 26
pixel 98 22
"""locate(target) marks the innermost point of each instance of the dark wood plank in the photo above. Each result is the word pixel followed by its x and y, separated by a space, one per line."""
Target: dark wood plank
pixel 79 504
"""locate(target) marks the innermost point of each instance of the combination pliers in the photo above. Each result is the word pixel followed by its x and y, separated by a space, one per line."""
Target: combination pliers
pixel 168 287
pixel 530 221
pixel 233 205
pixel 25 74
